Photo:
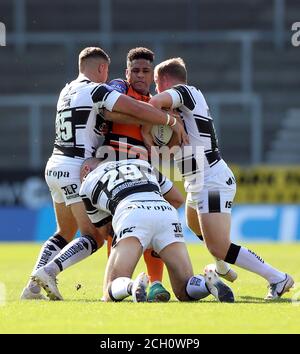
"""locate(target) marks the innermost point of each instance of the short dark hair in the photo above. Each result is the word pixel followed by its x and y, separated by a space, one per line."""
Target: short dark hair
pixel 93 52
pixel 175 67
pixel 140 53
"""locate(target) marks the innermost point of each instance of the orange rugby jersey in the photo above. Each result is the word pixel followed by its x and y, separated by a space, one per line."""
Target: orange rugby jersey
pixel 126 139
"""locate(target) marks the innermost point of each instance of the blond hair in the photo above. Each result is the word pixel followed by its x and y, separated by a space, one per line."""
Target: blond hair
pixel 174 67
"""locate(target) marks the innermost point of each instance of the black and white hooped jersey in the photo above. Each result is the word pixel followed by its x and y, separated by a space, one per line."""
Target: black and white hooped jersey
pixel 199 126
pixel 111 182
pixel 80 129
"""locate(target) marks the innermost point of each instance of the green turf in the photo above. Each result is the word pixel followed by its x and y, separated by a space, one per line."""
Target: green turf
pixel 82 312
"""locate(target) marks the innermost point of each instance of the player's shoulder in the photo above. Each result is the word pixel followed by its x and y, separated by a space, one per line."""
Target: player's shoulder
pixel 100 92
pixel 188 95
pixel 83 87
pixel 81 82
pixel 184 88
pixel 119 85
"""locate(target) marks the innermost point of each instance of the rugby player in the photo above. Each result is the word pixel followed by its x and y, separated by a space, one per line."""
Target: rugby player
pixel 128 142
pixel 78 134
pixel 128 192
pixel 213 199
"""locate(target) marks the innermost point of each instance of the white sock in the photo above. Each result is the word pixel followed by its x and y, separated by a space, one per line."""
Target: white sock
pixel 120 288
pixel 74 252
pixel 196 288
pixel 221 266
pixel 249 260
pixel 49 250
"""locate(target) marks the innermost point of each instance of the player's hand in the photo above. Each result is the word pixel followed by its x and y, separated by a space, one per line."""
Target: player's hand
pixel 182 136
pixel 147 136
pixel 148 141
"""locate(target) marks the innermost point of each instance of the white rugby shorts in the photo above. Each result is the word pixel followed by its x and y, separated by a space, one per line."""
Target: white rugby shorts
pixel 154 223
pixel 62 175
pixel 216 195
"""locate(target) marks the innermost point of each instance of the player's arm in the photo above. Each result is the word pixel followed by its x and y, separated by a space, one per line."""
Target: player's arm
pixel 99 218
pixel 120 118
pixel 150 115
pixel 167 101
pixel 162 100
pixel 104 97
pixel 121 86
pixel 144 112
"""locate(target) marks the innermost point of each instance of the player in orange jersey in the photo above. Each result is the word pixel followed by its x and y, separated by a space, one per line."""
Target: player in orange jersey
pixel 127 141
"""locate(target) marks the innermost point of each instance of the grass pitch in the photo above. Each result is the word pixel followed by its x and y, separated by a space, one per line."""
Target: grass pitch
pixel 82 312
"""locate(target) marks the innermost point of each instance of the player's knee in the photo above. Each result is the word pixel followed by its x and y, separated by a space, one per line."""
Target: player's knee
pixel 99 239
pixel 93 232
pixel 67 234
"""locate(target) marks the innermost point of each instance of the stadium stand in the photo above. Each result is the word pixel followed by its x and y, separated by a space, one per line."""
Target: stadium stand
pixel 244 38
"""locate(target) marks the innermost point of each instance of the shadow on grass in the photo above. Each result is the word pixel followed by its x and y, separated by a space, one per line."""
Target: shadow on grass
pixel 239 300
pixel 259 300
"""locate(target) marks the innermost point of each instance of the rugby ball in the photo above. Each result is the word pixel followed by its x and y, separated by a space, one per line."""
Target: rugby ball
pixel 161 134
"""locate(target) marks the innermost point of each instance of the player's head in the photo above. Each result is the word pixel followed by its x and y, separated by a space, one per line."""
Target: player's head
pixel 88 166
pixel 93 62
pixel 139 72
pixel 169 73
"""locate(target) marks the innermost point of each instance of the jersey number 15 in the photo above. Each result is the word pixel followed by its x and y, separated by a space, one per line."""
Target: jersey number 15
pixel 64 127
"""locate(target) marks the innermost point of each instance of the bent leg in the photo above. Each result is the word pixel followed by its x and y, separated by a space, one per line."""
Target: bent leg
pixel 65 220
pixel 121 264
pixel 185 285
pixel 216 231
pixel 66 229
pixel 177 261
pixel 82 247
pixel 85 225
pixel 193 223
pixel 153 262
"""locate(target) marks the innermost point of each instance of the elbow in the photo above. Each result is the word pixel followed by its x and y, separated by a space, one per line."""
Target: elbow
pixel 155 103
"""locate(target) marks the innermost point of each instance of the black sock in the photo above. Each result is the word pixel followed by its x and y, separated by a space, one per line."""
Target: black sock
pixel 232 253
pixel 50 249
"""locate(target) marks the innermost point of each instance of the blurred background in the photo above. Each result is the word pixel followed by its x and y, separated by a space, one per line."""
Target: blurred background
pixel 239 53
